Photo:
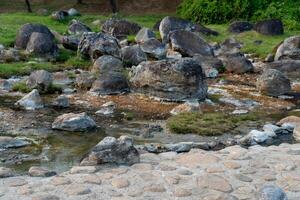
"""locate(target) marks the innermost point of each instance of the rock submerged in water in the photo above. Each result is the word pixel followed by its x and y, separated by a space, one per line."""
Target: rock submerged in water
pixel 271 192
pixel 74 122
pixel 40 172
pixel 113 151
pixel 31 101
pixel 10 142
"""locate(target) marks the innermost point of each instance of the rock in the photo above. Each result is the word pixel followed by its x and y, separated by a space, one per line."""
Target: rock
pixel 74 122
pixel 291 120
pixel 205 31
pixel 76 27
pixel 214 182
pixel 271 192
pixel 113 151
pixel 84 170
pixel 169 24
pixel 5 85
pixel 271 129
pixel 59 15
pixel 240 27
pixel 273 83
pixel 269 27
pixel 210 65
pixel 173 54
pixel 189 106
pixel 120 28
pixel 149 130
pixel 154 48
pixel 156 26
pixel 290 68
pixel 289 49
pixel 296 133
pixel 73 12
pixel 10 142
pixel 40 172
pixel 62 101
pixel 236 63
pixel 144 34
pixel 107 108
pixel 95 45
pixel 259 136
pixel 5 172
pixel 110 84
pixel 24 34
pixel 240 112
pixel 106 64
pixel 133 55
pixel 269 58
pixel 178 79
pixel 189 44
pixel 11 55
pixel 40 44
pixel 40 80
pixel 229 47
pixel 31 101
pixel 71 42
pixel 85 80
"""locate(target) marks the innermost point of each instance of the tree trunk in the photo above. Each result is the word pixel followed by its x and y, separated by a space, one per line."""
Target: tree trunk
pixel 113 5
pixel 28 6
pixel 79 1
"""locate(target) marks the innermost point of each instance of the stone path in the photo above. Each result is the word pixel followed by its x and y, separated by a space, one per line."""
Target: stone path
pixel 230 174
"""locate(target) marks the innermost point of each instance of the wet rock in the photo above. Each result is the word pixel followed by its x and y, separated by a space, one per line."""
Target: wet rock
pixel 240 27
pixel 74 122
pixel 189 106
pixel 189 44
pixel 120 28
pixel 113 151
pixel 273 83
pixel 106 64
pixel 40 80
pixel 71 42
pixel 289 49
pixel 5 172
pixel 30 101
pixel 154 48
pixel 40 172
pixel 296 133
pixel 25 32
pixel 77 27
pixel 133 55
pixel 10 142
pixel 107 108
pixel 61 101
pixel 259 136
pixel 95 45
pixel 271 192
pixel 110 84
pixel 59 15
pixel 236 63
pixel 85 80
pixel 144 34
pixel 269 27
pixel 178 79
pixel 73 12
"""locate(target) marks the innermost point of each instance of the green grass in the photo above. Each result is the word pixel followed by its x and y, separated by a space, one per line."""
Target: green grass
pixel 208 124
pixel 21 87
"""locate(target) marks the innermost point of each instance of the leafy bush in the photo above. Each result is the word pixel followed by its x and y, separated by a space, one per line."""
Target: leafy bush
pixel 224 11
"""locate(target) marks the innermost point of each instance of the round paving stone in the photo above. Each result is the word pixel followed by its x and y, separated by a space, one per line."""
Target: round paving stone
pixel 214 182
pixel 243 178
pixel 120 183
pixel 45 197
pixel 15 182
pixel 77 189
pixel 60 181
pixel 142 167
pixel 232 165
pixel 92 179
pixel 181 192
pixel 158 188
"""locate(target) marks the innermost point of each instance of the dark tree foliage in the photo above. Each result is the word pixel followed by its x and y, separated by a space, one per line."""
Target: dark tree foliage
pixel 28 6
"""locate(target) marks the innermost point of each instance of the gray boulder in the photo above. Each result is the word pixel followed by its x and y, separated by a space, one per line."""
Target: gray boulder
pixel 210 65
pixel 189 44
pixel 31 101
pixel 120 28
pixel 271 192
pixel 240 27
pixel 61 101
pixel 71 42
pixel 144 34
pixel 73 12
pixel 40 44
pixel 11 55
pixel 273 83
pixel 154 48
pixel 85 80
pixel 133 55
pixel 95 45
pixel 269 27
pixel 291 68
pixel 106 64
pixel 5 85
pixel 40 80
pixel 74 122
pixel 113 151
pixel 59 15
pixel 25 32
pixel 236 63
pixel 5 172
pixel 76 27
pixel 10 142
pixel 40 172
pixel 170 79
pixel 296 133
pixel 289 49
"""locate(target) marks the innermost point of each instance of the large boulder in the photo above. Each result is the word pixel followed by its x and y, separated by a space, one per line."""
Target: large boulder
pixel 71 42
pixel 240 26
pixel 210 65
pixel 133 55
pixel 170 79
pixel 74 122
pixel 40 44
pixel 269 27
pixel 40 80
pixel 30 101
pixel 76 27
pixel 291 68
pixel 113 151
pixel 144 34
pixel 59 15
pixel 106 64
pixel 120 28
pixel 289 49
pixel 25 32
pixel 110 84
pixel 271 192
pixel 95 45
pixel 273 83
pixel 189 44
pixel 154 48
pixel 85 80
pixel 236 63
